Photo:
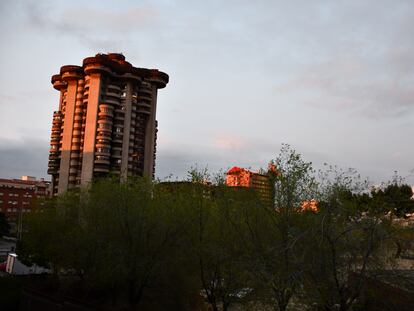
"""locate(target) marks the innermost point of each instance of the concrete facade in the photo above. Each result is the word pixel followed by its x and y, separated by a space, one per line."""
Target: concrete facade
pixel 106 122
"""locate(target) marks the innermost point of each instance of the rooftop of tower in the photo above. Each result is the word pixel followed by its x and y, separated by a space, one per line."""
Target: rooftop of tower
pixel 113 64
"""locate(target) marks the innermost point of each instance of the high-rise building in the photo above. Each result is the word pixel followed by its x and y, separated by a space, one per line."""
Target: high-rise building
pixel 105 122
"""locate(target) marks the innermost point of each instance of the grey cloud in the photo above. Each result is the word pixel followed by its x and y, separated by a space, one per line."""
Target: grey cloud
pixel 354 85
pixel 100 28
pixel 356 57
pixel 26 157
pixel 350 57
pixel 177 159
pixel 176 162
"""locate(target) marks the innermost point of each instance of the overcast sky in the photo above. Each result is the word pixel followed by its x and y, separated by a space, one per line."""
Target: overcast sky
pixel 334 79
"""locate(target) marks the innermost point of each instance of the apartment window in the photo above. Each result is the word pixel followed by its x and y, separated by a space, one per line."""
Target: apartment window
pixel 104 126
pixel 103 150
pixel 101 158
pixel 9 209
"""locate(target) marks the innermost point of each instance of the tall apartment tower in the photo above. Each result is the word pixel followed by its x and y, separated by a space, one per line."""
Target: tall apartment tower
pixel 105 122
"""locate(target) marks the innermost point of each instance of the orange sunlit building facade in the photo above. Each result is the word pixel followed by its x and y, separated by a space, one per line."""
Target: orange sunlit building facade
pixel 262 184
pixel 106 121
pixel 240 177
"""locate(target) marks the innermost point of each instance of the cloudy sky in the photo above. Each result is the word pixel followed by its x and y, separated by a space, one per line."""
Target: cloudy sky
pixel 334 79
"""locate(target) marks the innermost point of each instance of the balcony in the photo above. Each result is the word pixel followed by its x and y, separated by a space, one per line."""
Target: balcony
pixel 102 151
pixel 102 144
pixel 114 95
pixel 102 160
pixel 105 113
pixel 101 169
pixel 112 101
pixel 144 104
pixel 144 97
pixel 118 117
pixel 144 110
pixel 145 89
pixel 105 121
pixel 96 68
pixel 114 87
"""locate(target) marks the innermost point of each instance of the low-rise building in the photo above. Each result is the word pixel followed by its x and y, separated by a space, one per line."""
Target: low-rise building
pixel 17 196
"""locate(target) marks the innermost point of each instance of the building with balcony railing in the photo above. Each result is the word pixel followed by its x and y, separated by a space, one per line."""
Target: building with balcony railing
pixel 105 122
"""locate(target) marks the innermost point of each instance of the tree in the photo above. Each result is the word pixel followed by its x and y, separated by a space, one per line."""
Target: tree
pixel 277 246
pixel 216 240
pixel 395 199
pixel 347 244
pixel 123 241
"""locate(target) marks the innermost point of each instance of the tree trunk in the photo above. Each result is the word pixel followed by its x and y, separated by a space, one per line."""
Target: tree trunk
pixel 282 305
pixel 134 294
pixel 213 307
pixel 282 299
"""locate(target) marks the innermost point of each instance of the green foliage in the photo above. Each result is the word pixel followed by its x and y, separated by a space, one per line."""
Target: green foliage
pixel 295 182
pixel 347 243
pixel 277 242
pixel 121 239
pixel 147 245
pixel 395 199
pixel 218 243
pixel 215 237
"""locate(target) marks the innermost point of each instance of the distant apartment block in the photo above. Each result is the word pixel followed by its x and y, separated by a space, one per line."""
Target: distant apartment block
pixel 240 177
pixel 106 122
pixel 18 195
pixel 262 183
